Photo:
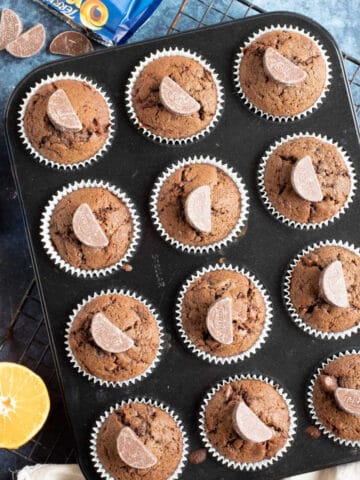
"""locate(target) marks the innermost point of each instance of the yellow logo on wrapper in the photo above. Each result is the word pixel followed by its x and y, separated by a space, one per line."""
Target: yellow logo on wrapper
pixel 93 13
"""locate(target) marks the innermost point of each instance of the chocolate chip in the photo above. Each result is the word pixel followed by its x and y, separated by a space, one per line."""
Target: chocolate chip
pixel 198 456
pixel 328 383
pixel 127 268
pixel 313 432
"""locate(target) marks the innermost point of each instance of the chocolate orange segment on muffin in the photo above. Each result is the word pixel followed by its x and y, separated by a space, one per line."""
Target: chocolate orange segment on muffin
pixel 338 408
pixel 287 192
pixel 173 205
pixel 113 218
pixel 163 117
pixel 270 428
pixel 68 147
pixel 247 314
pixel 269 92
pixel 154 428
pixel 312 304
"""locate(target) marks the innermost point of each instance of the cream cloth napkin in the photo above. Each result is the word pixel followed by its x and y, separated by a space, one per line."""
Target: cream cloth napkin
pixel 72 472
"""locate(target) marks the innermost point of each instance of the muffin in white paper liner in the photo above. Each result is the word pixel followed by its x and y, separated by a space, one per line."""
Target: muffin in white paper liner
pixel 167 52
pixel 46 221
pixel 282 217
pixel 322 428
pixel 208 356
pixel 324 335
pixel 38 155
pixel 250 105
pixel 244 198
pixel 93 378
pixel 248 466
pixel 153 403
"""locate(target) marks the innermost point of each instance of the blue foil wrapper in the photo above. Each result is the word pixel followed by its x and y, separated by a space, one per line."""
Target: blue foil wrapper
pixel 108 21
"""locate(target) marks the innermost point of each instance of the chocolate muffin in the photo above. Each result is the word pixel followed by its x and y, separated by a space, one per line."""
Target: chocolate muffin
pixel 290 196
pixel 246 318
pixel 308 299
pixel 134 319
pixel 225 205
pixel 68 147
pixel 162 118
pixel 112 215
pixel 342 373
pixel 272 416
pixel 156 430
pixel 275 95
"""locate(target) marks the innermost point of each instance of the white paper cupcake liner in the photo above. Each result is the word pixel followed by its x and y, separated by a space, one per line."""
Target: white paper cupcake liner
pixel 287 297
pixel 153 403
pixel 322 428
pixel 248 466
pixel 166 52
pixel 208 356
pixel 258 111
pixel 93 378
pixel 213 246
pixel 46 221
pixel 34 152
pixel 280 216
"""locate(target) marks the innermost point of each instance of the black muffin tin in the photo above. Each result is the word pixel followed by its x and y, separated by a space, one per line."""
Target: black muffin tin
pixel 133 163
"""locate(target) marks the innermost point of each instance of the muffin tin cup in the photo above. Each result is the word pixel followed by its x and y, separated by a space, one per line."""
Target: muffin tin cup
pixel 279 216
pixel 287 297
pixel 96 429
pixel 248 466
pixel 165 53
pixel 322 428
pixel 37 155
pixel 101 381
pixel 202 249
pixel 258 111
pixel 208 356
pixel 46 221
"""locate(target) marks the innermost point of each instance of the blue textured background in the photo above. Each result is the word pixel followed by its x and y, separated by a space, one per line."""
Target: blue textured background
pixel 340 17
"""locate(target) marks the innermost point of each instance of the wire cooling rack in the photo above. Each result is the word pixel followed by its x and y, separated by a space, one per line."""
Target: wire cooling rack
pixel 27 342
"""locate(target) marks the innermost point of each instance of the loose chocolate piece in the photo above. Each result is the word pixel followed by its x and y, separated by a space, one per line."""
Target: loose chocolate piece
pixel 313 432
pixel 249 426
pixel 332 285
pixel 328 383
pixel 70 43
pixel 219 321
pixel 281 69
pixel 132 451
pixel 198 456
pixel 198 209
pixel 87 229
pixel 304 180
pixel 61 113
pixel 175 99
pixel 348 399
pixel 29 43
pixel 10 27
pixel 108 336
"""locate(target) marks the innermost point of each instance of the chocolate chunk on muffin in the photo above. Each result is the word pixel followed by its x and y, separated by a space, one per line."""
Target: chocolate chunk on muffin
pixel 275 87
pixel 108 213
pixel 223 332
pixel 158 433
pixel 119 347
pixel 315 301
pixel 306 180
pixel 338 408
pixel 66 146
pixel 258 432
pixel 182 107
